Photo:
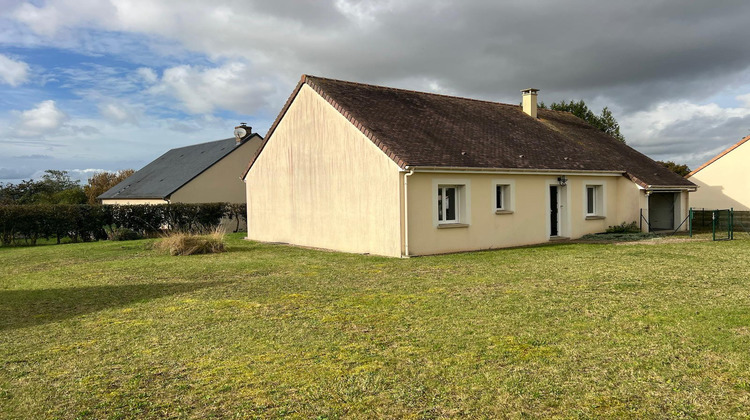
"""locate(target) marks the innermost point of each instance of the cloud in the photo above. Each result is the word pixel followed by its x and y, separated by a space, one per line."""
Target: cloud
pixel 119 114
pixel 55 15
pixel 15 173
pixel 637 53
pixel 33 157
pixel 686 132
pixel 13 72
pixel 676 74
pixel 232 86
pixel 45 119
pixel 147 74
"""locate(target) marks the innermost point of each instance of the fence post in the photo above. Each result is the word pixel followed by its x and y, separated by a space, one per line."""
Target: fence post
pixel 690 222
pixel 640 221
pixel 713 224
pixel 731 223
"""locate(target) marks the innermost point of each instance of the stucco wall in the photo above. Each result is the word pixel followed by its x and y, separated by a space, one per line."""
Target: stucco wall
pixel 725 183
pixel 529 221
pixel 320 182
pixel 222 182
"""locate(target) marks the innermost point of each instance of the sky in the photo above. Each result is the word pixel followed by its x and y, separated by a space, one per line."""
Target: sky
pixel 92 85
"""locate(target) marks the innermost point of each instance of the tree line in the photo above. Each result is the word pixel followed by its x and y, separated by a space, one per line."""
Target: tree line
pixel 56 187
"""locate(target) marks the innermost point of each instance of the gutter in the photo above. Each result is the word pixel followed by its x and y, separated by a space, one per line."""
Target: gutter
pixel 406 211
pixel 511 171
pixel 657 188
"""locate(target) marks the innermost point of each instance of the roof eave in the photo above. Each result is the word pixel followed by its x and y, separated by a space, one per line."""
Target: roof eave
pixel 671 188
pixel 719 156
pixel 510 170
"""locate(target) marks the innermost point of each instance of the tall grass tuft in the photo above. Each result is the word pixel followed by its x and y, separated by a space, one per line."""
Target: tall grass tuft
pixel 189 244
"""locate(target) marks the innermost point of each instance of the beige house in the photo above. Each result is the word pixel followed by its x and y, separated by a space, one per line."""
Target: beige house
pixel 370 169
pixel 724 181
pixel 201 173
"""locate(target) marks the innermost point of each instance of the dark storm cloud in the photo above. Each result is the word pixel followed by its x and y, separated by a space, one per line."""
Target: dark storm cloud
pixel 696 140
pixel 637 57
pixel 636 52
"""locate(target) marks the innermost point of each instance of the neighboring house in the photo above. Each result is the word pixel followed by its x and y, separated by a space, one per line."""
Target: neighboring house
pixel 370 169
pixel 202 173
pixel 724 181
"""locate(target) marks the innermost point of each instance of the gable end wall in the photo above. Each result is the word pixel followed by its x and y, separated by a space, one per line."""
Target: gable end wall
pixel 725 183
pixel 320 182
pixel 221 182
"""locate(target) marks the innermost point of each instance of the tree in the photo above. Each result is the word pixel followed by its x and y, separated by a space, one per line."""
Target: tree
pixel 100 182
pixel 680 170
pixel 55 187
pixel 605 121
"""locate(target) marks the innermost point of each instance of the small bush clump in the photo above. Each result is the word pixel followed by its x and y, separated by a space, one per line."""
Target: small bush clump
pixel 123 234
pixel 619 237
pixel 189 244
pixel 624 227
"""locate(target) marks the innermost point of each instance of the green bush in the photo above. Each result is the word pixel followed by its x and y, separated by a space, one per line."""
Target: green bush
pixel 624 227
pixel 82 222
pixel 123 234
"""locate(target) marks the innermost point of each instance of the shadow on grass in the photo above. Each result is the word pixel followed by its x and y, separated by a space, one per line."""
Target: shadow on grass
pixel 24 308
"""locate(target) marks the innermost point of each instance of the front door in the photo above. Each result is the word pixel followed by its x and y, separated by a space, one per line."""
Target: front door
pixel 553 211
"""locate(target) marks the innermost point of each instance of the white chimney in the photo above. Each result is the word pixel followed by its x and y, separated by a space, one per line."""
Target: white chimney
pixel 529 101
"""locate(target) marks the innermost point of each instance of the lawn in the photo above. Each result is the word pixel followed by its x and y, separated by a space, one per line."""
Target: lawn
pixel 117 330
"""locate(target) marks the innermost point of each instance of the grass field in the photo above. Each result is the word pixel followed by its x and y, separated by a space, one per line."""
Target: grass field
pixel 117 330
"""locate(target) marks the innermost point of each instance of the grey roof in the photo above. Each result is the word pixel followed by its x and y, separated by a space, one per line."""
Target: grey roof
pixel 170 171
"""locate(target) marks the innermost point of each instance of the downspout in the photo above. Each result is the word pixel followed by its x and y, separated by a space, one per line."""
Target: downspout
pixel 406 211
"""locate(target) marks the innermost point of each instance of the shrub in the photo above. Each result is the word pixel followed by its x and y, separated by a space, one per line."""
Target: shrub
pixel 188 244
pixel 29 222
pixel 624 227
pixel 123 234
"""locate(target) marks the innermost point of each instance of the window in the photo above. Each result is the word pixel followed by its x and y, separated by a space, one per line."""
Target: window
pixel 590 200
pixel 502 197
pixel 502 193
pixel 448 205
pixel 451 203
pixel 594 201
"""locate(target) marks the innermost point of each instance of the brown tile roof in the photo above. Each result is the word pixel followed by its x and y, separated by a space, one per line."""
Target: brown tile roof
pixel 430 130
pixel 720 155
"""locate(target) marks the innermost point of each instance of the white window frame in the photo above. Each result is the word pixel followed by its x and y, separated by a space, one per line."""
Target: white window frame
pixel 463 202
pixel 508 198
pixel 444 205
pixel 599 210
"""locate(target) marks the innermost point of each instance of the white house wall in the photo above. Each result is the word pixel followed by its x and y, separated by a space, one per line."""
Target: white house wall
pixel 529 221
pixel 724 183
pixel 320 182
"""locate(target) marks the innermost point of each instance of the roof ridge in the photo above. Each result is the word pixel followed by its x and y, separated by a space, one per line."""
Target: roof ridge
pixel 201 144
pixel 307 76
pixel 719 156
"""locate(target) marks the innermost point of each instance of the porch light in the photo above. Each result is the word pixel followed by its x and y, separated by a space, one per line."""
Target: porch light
pixel 562 180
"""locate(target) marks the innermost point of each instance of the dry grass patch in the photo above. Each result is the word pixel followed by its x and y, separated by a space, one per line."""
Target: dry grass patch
pixel 189 244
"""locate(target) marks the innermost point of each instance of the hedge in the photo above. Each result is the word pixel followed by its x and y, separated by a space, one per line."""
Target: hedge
pixel 83 222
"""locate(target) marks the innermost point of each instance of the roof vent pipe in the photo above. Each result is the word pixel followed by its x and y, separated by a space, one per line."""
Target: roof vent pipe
pixel 529 101
pixel 241 132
